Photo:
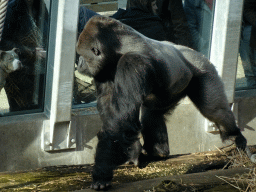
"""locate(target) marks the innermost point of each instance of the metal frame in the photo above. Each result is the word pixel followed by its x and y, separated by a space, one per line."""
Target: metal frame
pixel 58 132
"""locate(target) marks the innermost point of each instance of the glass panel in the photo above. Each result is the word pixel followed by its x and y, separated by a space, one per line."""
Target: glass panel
pixel 84 89
pixel 23 70
pixel 200 15
pixel 246 70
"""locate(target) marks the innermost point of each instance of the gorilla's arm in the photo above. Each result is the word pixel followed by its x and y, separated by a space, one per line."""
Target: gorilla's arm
pixel 119 105
pixel 120 100
pixel 134 79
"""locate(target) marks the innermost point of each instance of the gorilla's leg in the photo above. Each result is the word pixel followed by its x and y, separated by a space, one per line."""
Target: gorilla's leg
pixel 154 132
pixel 112 150
pixel 208 94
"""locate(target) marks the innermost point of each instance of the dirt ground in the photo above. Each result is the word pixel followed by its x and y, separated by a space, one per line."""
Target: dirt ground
pixel 187 172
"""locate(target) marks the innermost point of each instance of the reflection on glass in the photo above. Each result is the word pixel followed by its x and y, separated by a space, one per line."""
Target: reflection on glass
pixel 199 15
pixel 26 28
pixel 84 89
pixel 246 71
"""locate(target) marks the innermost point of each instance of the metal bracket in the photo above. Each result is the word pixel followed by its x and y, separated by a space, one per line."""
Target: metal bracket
pixel 60 136
pixel 211 127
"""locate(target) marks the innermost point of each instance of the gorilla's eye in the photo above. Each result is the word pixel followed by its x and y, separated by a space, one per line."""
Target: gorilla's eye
pixel 96 51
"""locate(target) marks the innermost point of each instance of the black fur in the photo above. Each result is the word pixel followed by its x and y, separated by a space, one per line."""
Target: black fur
pixel 136 75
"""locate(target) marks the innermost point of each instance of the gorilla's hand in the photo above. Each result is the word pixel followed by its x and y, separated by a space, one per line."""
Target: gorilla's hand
pixel 240 142
pixel 100 185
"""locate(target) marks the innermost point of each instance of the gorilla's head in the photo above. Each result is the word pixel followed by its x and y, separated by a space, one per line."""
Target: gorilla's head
pixel 98 45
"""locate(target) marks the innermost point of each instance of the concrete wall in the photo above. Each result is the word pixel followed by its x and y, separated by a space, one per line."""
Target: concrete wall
pixel 21 146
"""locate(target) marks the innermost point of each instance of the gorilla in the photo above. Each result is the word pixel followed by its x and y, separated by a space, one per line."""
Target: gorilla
pixel 138 81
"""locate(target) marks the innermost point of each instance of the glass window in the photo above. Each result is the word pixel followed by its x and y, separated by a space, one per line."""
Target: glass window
pixel 246 71
pixel 23 56
pixel 84 89
pixel 200 15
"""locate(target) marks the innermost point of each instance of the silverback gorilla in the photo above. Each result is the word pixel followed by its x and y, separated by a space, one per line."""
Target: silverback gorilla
pixel 138 81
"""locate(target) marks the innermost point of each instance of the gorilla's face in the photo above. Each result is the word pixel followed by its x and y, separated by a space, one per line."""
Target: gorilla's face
pixel 90 50
pixel 98 46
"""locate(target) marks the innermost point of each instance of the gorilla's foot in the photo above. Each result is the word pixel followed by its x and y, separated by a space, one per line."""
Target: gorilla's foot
pixel 161 150
pixel 101 176
pixel 158 150
pixel 101 185
pixel 134 152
